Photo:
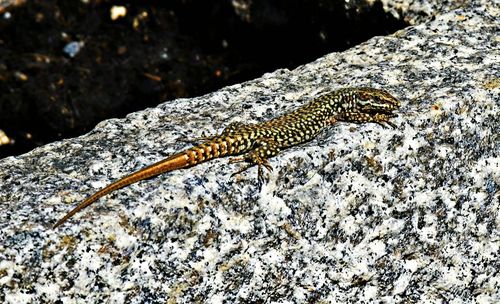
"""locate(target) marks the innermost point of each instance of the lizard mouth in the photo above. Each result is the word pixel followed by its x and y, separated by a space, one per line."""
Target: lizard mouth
pixel 387 112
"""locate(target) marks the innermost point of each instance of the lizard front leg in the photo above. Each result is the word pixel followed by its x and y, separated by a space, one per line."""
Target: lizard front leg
pixel 379 118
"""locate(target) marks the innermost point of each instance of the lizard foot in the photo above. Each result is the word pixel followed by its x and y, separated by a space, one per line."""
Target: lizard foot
pixel 253 161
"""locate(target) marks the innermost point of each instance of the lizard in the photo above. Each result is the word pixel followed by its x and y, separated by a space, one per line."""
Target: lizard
pixel 255 144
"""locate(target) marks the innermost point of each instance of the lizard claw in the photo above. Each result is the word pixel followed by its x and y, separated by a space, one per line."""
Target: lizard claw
pixel 243 169
pixel 384 123
pixel 261 179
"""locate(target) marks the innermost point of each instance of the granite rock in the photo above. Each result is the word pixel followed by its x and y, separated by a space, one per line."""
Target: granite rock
pixel 361 214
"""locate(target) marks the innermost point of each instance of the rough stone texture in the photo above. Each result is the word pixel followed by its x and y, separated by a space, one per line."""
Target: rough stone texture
pixel 361 214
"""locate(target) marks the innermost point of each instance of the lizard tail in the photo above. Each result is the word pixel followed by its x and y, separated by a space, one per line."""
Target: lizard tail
pixel 185 159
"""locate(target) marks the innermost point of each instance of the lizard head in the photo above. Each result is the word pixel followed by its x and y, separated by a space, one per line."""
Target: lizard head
pixel 371 101
pixel 370 105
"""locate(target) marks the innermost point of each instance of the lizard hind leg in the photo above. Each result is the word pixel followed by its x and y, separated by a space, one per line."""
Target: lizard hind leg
pixel 258 157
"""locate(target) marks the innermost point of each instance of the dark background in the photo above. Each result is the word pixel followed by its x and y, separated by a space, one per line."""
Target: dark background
pixel 159 51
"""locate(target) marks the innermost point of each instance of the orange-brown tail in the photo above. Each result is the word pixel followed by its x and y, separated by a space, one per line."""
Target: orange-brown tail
pixel 177 161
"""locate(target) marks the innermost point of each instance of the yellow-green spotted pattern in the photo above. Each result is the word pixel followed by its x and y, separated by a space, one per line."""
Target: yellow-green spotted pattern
pixel 265 140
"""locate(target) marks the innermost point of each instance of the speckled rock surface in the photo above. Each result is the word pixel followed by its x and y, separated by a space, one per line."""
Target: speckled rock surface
pixel 361 214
